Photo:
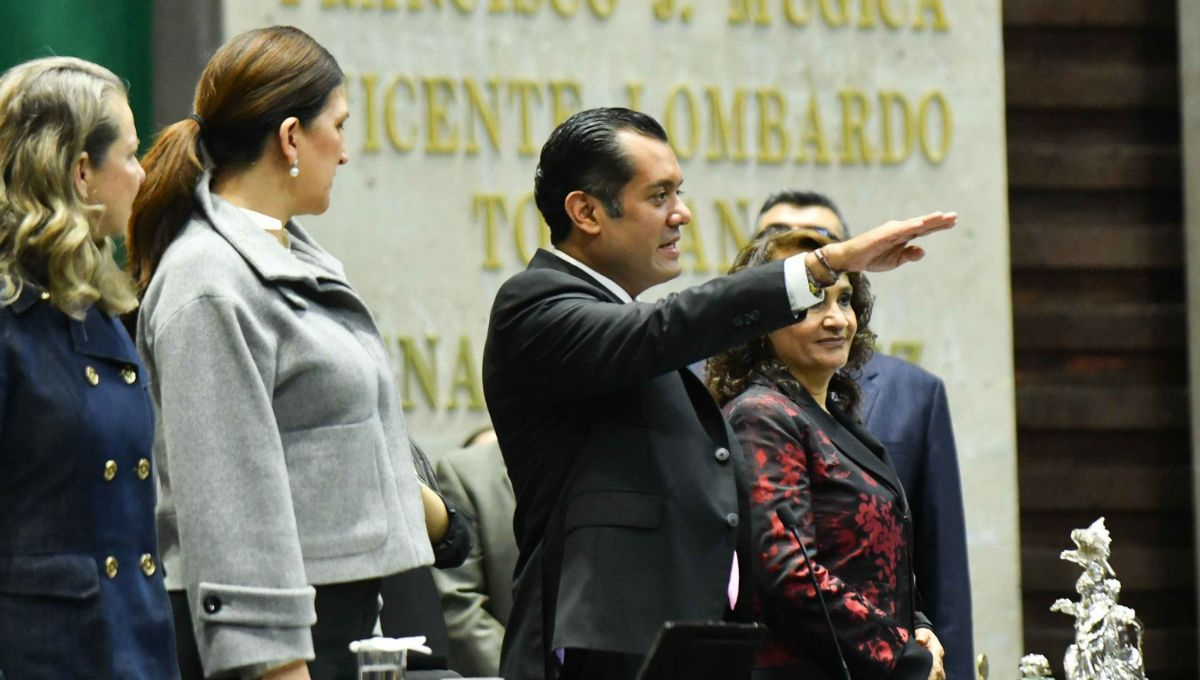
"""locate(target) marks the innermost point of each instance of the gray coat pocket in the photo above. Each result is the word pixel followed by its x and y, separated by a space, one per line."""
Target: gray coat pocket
pixel 334 477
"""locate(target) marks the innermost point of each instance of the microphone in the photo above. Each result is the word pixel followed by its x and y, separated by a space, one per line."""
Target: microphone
pixel 788 518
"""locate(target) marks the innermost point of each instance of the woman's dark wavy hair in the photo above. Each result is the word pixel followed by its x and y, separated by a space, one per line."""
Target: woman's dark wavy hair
pixel 729 373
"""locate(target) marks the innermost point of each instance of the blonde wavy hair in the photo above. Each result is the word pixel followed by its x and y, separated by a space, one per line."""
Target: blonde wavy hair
pixel 51 111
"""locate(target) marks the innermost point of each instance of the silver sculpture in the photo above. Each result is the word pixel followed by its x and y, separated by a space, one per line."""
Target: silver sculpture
pixel 1035 667
pixel 1108 636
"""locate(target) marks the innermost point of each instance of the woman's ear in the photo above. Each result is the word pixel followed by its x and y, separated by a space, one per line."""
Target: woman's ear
pixel 81 175
pixel 581 208
pixel 288 130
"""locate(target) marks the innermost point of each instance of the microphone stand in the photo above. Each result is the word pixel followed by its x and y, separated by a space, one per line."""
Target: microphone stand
pixel 788 518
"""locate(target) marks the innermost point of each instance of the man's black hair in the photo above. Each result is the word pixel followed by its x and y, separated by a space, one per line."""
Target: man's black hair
pixel 805 199
pixel 583 154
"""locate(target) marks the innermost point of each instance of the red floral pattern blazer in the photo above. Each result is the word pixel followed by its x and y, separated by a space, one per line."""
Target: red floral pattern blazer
pixel 854 520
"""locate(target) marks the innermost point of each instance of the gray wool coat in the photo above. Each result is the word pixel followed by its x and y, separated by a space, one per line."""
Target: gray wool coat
pixel 282 456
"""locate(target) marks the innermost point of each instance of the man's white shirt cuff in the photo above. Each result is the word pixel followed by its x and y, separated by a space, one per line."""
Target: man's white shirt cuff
pixel 795 277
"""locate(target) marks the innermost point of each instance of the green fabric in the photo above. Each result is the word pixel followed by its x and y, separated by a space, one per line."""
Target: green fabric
pixel 117 34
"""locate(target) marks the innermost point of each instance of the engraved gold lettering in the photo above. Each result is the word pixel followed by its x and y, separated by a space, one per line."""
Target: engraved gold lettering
pixel 773 139
pixel 835 12
pixel 936 154
pixel 603 9
pixel 855 111
pixel 491 208
pixel 731 229
pixel 466 377
pixel 634 92
pixel 420 367
pixel 685 150
pixel 565 8
pixel 727 135
pixel 797 17
pixel 745 11
pixel 866 15
pixel 390 126
pixel 889 102
pixel 371 141
pixel 814 136
pixel 486 112
pixel 524 91
pixel 441 135
pixel 894 20
pixel 924 7
pixel 561 108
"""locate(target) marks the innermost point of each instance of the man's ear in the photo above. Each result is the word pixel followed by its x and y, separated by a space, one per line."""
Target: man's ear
pixel 583 209
pixel 287 139
pixel 82 174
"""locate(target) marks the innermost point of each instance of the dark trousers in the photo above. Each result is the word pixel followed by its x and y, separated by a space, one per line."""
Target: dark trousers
pixel 345 612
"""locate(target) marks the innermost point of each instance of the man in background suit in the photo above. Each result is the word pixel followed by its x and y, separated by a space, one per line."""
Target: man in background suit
pixel 477 595
pixel 905 407
pixel 626 475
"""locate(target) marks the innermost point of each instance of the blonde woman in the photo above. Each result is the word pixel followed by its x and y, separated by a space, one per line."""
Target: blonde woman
pixel 81 589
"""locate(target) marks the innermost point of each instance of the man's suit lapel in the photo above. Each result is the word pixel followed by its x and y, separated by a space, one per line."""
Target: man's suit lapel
pixel 544 259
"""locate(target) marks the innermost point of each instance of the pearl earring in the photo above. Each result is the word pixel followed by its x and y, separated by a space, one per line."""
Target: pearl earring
pixel 295 169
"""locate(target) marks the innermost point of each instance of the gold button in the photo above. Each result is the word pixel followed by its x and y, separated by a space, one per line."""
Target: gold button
pixel 110 470
pixel 45 295
pixel 143 468
pixel 92 376
pixel 110 567
pixel 148 566
pixel 129 375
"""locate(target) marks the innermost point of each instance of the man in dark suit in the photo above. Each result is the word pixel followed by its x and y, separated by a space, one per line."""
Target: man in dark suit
pixel 905 407
pixel 628 497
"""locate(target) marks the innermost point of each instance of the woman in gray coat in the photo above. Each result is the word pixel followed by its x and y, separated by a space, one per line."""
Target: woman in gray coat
pixel 287 484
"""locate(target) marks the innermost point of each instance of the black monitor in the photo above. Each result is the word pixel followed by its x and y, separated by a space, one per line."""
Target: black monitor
pixel 703 650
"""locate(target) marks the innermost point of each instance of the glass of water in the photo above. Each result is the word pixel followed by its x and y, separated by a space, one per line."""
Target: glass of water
pixel 378 660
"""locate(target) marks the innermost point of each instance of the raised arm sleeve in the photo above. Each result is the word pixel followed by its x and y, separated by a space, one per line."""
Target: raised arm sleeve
pixel 570 343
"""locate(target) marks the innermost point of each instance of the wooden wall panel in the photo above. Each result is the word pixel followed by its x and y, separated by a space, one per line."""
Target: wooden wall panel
pixel 1099 312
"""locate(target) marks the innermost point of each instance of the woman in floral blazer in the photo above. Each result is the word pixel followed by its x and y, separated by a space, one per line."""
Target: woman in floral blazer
pixel 789 398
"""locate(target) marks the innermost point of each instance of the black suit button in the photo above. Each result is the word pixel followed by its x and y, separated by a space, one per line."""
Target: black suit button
pixel 732 519
pixel 738 322
pixel 755 316
pixel 212 604
pixel 721 454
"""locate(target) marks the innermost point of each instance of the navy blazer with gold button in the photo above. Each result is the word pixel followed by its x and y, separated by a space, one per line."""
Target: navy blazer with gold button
pixel 906 407
pixel 81 590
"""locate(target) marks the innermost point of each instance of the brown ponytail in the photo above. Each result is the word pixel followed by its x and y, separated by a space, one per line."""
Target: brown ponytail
pixel 173 167
pixel 250 86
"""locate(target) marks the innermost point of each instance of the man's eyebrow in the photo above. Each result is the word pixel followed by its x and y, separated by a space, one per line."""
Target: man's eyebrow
pixel 665 184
